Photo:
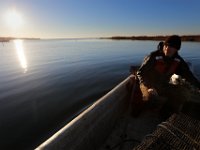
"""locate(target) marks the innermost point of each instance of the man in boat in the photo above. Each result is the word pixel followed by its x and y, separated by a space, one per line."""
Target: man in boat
pixel 155 72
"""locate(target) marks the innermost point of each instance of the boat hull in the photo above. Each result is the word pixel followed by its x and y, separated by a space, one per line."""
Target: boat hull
pixel 90 129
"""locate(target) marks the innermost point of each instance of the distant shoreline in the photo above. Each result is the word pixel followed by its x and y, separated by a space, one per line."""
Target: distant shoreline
pixel 195 38
pixel 7 39
pixel 191 38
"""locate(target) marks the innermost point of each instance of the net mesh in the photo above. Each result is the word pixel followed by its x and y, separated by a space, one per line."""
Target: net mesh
pixel 178 132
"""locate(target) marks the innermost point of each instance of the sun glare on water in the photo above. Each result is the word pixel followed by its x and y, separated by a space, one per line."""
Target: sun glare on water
pixel 21 55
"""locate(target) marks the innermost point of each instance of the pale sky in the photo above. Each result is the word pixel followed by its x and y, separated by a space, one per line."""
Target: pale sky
pixel 98 18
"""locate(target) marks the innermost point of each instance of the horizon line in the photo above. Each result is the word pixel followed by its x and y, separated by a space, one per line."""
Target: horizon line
pixel 72 38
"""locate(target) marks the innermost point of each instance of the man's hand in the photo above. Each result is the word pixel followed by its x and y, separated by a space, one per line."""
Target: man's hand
pixel 152 91
pixel 147 92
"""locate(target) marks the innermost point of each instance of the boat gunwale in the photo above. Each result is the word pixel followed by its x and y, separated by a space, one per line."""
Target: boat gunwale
pixel 96 114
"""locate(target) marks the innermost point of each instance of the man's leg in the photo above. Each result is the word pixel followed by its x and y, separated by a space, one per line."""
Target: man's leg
pixel 176 95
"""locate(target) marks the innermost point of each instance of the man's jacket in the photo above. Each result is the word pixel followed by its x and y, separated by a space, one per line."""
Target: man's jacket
pixel 157 69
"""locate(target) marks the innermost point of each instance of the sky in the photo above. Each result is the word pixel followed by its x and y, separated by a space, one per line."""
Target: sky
pixel 98 18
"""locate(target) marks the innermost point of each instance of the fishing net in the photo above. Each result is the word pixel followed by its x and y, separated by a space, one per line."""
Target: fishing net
pixel 179 132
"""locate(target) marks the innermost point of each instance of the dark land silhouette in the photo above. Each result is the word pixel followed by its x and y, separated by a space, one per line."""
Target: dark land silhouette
pixel 155 38
pixel 7 39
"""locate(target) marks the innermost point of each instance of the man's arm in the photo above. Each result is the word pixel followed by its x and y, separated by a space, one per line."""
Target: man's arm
pixel 146 66
pixel 142 74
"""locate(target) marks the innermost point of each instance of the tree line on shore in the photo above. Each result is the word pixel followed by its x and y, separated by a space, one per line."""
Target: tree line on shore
pixel 7 39
pixel 155 38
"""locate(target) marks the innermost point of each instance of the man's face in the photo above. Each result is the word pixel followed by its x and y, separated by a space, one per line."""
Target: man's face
pixel 169 50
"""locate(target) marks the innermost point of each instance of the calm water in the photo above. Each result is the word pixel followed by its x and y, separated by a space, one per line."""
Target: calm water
pixel 45 83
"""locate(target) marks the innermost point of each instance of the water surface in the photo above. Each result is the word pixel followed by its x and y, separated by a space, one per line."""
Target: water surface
pixel 45 83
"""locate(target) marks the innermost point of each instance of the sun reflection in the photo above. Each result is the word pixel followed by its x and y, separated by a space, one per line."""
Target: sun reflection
pixel 21 55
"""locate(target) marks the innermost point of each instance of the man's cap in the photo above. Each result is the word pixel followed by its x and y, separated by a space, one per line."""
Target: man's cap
pixel 173 41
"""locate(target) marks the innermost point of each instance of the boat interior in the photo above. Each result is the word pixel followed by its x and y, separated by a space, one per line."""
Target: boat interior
pixel 148 128
pixel 117 122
